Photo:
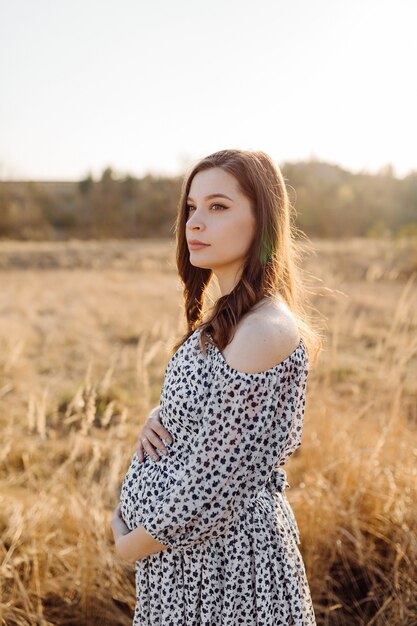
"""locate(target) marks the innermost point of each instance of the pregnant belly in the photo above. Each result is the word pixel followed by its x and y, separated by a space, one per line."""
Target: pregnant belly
pixel 143 488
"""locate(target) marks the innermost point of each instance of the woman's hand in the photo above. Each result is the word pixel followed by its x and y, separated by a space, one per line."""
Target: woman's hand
pixel 153 436
pixel 118 526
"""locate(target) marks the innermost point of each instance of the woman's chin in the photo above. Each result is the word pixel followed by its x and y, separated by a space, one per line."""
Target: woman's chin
pixel 202 266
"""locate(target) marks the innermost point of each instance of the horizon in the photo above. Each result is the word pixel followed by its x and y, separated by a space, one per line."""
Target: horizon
pixel 119 175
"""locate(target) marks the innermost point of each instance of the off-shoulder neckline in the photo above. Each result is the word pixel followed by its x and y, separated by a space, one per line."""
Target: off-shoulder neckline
pixel 270 370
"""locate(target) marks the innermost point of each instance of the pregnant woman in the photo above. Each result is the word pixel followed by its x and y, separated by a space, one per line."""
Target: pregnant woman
pixel 208 525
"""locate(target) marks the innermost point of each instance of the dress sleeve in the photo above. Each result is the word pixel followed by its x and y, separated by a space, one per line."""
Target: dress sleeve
pixel 247 422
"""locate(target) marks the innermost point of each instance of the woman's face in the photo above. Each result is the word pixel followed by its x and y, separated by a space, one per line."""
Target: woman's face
pixel 227 224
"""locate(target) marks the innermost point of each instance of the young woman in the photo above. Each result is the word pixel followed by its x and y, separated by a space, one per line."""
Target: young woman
pixel 208 524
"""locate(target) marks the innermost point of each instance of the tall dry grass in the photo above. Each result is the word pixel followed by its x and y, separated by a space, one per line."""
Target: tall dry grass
pixel 85 334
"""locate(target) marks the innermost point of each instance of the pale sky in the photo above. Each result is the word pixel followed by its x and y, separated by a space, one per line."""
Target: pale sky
pixel 154 86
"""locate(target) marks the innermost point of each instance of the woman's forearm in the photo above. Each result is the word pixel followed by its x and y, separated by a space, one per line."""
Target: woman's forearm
pixel 137 545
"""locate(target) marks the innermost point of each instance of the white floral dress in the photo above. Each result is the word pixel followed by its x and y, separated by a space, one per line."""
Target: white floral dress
pixel 218 501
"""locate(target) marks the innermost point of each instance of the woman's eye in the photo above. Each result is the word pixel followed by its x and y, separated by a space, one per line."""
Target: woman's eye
pixel 189 207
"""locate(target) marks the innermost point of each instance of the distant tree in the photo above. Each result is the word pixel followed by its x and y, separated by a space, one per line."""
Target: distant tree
pixel 106 207
pixel 86 185
pixel 329 202
pixel 107 178
pixel 407 195
pixel 129 187
pixel 5 212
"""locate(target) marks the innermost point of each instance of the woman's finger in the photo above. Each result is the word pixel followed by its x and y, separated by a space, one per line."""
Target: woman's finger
pixel 159 437
pixel 156 438
pixel 158 428
pixel 148 447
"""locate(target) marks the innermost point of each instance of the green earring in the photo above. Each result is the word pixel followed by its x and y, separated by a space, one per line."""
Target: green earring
pixel 266 251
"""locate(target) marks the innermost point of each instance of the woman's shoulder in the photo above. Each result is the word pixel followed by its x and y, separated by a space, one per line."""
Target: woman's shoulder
pixel 263 339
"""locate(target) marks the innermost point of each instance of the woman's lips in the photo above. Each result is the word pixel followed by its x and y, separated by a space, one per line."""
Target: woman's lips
pixel 198 246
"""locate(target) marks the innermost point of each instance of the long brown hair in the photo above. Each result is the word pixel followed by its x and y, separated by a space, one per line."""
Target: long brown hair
pixel 272 262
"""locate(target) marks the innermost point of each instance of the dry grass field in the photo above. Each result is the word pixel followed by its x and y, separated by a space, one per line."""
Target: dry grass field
pixel 86 330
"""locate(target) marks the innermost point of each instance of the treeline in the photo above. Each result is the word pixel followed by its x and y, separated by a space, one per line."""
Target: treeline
pixel 330 202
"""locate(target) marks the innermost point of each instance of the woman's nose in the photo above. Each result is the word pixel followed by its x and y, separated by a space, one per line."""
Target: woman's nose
pixel 194 222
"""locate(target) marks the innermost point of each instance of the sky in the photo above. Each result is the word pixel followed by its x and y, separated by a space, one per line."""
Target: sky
pixel 154 86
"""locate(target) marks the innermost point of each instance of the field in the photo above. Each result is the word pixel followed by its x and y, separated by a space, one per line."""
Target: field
pixel 86 330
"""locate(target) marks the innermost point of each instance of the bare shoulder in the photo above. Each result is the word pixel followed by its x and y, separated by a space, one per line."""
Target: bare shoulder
pixel 263 340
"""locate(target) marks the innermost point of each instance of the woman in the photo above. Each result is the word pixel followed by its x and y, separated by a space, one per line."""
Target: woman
pixel 208 524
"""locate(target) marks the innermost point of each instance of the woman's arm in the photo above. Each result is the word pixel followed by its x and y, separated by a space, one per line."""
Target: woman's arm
pixel 137 545
pixel 133 545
